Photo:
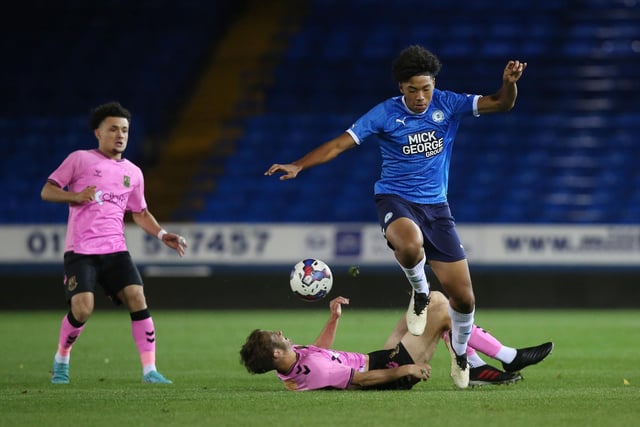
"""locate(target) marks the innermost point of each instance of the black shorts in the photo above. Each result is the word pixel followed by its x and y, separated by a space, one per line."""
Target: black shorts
pixel 386 359
pixel 441 240
pixel 111 271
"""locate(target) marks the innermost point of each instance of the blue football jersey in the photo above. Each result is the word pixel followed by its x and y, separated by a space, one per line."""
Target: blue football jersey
pixel 415 148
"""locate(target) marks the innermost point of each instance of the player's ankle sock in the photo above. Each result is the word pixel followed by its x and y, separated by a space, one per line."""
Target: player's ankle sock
pixel 148 368
pixel 70 330
pixel 506 354
pixel 484 342
pixel 474 359
pixel 417 277
pixel 461 325
pixel 144 336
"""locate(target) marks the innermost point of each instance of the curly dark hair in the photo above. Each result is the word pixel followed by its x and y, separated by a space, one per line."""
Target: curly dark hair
pixel 415 61
pixel 257 352
pixel 110 109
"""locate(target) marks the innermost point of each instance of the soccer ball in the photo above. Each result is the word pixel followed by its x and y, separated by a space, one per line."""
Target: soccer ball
pixel 311 279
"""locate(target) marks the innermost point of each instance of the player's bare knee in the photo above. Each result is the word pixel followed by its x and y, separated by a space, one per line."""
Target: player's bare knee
pixel 82 306
pixel 437 301
pixel 438 313
pixel 436 297
pixel 464 306
pixel 409 254
pixel 133 297
pixel 470 302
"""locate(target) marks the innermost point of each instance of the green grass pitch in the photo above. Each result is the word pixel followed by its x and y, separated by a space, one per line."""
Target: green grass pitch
pixel 591 379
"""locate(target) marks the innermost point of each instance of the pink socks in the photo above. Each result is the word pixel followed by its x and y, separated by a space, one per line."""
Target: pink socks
pixel 70 330
pixel 144 336
pixel 486 343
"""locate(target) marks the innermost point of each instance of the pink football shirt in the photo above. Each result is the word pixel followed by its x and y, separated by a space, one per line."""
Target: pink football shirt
pixel 318 368
pixel 97 227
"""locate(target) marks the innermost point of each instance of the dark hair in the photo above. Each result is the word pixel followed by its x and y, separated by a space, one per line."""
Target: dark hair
pixel 257 353
pixel 110 109
pixel 415 61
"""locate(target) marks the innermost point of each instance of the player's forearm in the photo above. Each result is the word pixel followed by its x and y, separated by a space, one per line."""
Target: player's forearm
pixel 328 334
pixel 326 152
pixel 501 101
pixel 53 193
pixel 147 222
pixel 380 376
pixel 507 96
pixel 316 157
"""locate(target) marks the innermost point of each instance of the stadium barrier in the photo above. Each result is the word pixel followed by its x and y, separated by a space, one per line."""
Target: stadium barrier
pixel 247 265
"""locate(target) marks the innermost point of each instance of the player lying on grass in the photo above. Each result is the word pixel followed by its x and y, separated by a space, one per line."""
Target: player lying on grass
pixel 400 365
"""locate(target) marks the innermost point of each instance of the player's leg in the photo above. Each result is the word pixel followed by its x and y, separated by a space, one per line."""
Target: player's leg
pixel 398 220
pixel 481 373
pixel 406 239
pixel 456 281
pixel 422 348
pixel 143 331
pixel 447 259
pixel 397 333
pixel 121 270
pixel 79 284
pixel 413 349
pixel 486 343
pixel 513 360
pixel 70 330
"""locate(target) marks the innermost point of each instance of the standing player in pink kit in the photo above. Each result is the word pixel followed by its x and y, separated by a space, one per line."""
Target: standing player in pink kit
pixel 100 186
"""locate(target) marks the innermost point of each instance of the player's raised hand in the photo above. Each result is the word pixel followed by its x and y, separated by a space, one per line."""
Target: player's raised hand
pixel 289 171
pixel 513 71
pixel 336 306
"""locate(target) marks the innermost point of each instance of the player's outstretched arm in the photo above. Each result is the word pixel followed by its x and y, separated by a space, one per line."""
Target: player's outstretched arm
pixel 381 376
pixel 328 333
pixel 505 98
pixel 322 154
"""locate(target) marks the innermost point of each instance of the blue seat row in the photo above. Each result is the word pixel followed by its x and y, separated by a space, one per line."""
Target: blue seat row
pixel 565 154
pixel 69 57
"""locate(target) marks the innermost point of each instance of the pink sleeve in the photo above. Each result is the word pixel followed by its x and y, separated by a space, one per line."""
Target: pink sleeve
pixel 64 175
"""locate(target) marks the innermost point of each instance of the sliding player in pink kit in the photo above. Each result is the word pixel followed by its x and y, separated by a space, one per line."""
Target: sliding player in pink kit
pixel 100 186
pixel 401 363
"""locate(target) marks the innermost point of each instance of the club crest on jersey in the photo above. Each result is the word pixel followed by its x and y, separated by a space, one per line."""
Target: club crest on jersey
pixel 72 283
pixel 437 116
pixel 126 181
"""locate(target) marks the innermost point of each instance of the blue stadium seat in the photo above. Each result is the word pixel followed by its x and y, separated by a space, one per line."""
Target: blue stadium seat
pixel 58 71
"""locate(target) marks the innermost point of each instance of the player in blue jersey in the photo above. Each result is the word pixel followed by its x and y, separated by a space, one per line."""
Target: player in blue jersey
pixel 415 132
